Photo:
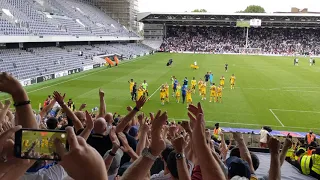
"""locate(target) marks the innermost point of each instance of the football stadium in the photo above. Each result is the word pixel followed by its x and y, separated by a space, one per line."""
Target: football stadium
pixel 238 92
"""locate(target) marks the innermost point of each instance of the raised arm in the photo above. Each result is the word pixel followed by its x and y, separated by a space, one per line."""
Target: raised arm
pixel 143 130
pixel 244 151
pixel 102 107
pixel 135 172
pixel 121 126
pixel 4 111
pixel 115 146
pixel 179 145
pixel 24 111
pixel 209 166
pixel 126 147
pixel 286 147
pixel 46 109
pixel 76 122
pixel 275 170
pixel 89 126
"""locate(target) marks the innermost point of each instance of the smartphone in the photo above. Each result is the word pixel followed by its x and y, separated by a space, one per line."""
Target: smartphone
pixel 38 144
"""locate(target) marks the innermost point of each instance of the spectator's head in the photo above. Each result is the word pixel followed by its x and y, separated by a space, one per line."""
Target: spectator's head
pixel 237 167
pixel 109 118
pixel 133 132
pixel 81 116
pixel 255 159
pixel 310 132
pixel 172 164
pixel 115 165
pixel 217 125
pixel 165 153
pixel 52 123
pixel 100 126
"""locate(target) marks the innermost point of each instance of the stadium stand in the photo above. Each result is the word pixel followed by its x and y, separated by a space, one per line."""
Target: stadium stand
pixel 57 17
pixel 231 40
pixel 37 60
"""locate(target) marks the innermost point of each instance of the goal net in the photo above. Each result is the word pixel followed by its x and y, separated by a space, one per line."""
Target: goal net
pixel 249 50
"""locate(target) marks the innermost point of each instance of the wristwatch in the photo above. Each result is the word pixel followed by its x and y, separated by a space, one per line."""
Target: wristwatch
pixel 147 153
pixel 180 156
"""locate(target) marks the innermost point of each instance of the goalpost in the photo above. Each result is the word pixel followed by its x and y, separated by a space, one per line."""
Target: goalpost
pixel 247 24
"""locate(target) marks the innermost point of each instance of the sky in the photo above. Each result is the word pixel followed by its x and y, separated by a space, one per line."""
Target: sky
pixel 225 6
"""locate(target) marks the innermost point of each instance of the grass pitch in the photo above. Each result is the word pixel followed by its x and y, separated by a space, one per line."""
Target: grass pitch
pixel 269 90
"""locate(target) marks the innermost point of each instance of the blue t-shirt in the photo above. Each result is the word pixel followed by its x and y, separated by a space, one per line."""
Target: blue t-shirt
pixel 211 77
pixel 184 90
pixel 175 83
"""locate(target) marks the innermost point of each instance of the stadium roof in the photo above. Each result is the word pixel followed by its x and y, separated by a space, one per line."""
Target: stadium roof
pixel 303 20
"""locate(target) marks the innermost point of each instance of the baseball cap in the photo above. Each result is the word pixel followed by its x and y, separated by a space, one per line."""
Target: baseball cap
pixel 133 131
pixel 237 167
pixel 255 159
pixel 115 162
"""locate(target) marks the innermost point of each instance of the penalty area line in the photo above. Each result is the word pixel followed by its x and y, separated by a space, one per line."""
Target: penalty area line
pixel 154 92
pixel 276 117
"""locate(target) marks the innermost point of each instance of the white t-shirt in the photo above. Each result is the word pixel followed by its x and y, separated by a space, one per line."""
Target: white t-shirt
pixel 55 172
pixel 263 136
pixel 195 63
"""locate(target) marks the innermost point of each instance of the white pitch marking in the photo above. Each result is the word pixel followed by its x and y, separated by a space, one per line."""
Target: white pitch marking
pixel 234 123
pixel 289 110
pixel 276 117
pixel 154 92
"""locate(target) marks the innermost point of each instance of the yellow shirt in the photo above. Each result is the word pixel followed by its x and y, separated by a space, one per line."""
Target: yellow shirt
pixel 188 95
pixel 213 89
pixel 131 86
pixel 233 79
pixel 178 90
pixel 193 82
pixel 222 80
pixel 219 90
pixel 162 92
pixel 203 86
pixel 140 92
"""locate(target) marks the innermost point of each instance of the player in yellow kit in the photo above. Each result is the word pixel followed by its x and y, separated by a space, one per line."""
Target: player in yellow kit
pixel 222 79
pixel 199 86
pixel 193 85
pixel 203 91
pixel 131 84
pixel 189 97
pixel 166 87
pixel 178 93
pixel 213 92
pixel 140 91
pixel 219 94
pixel 162 94
pixel 232 81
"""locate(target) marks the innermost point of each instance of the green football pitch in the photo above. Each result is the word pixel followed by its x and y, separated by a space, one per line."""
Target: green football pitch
pixel 269 90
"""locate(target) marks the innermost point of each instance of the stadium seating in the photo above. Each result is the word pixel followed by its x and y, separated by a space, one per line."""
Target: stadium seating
pixel 40 61
pixel 232 40
pixel 57 17
pixel 155 44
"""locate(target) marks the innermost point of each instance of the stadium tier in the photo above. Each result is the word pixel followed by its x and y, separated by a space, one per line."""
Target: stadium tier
pixel 232 40
pixel 33 62
pixel 57 17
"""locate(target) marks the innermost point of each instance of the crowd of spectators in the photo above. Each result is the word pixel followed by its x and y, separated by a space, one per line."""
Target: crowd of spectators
pixel 136 146
pixel 284 41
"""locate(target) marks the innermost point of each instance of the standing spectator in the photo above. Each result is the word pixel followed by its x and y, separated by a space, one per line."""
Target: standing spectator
pixel 310 137
pixel 263 138
pixel 216 132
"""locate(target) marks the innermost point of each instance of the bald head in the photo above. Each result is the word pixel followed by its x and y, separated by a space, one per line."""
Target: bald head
pixel 109 118
pixel 100 126
pixel 81 116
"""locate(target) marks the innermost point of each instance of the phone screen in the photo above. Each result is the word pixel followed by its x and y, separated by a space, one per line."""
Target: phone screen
pixel 39 144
